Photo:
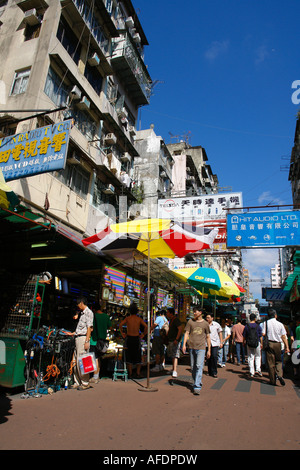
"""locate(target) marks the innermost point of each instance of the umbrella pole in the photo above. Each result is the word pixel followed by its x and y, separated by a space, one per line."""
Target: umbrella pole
pixel 148 388
pixel 148 320
pixel 215 308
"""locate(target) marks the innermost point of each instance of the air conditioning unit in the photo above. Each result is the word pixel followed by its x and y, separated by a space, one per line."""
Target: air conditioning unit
pixel 74 160
pixel 132 130
pixel 75 93
pixel 126 157
pixel 122 112
pixel 124 120
pixel 110 189
pixel 137 38
pixel 129 22
pixel 31 17
pixel 110 139
pixel 94 59
pixel 84 103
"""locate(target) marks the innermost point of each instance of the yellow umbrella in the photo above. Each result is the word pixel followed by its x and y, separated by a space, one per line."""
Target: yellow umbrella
pixel 8 199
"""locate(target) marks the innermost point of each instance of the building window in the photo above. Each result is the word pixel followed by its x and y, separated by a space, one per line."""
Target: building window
pixel 55 89
pixel 69 40
pixel 94 78
pixel 76 178
pixel 32 31
pixel 20 82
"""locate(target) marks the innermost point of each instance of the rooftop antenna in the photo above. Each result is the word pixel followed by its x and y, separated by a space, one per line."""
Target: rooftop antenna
pixel 153 85
pixel 172 136
pixel 187 136
pixel 285 167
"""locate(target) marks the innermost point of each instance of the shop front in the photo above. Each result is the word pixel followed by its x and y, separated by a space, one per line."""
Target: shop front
pixel 32 247
pixel 36 317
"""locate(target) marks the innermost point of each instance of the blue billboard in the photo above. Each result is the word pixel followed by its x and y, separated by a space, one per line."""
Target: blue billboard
pixel 38 151
pixel 263 229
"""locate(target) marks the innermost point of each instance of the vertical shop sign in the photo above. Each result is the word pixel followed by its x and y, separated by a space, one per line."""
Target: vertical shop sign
pixel 39 151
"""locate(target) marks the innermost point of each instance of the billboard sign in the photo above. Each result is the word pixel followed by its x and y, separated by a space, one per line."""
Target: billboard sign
pixel 263 229
pixel 275 294
pixel 198 207
pixel 38 151
pixel 219 243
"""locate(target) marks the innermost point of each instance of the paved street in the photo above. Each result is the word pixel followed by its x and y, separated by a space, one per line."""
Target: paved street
pixel 231 413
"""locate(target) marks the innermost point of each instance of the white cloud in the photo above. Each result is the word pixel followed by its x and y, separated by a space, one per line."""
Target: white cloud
pixel 267 198
pixel 216 49
pixel 261 54
pixel 259 261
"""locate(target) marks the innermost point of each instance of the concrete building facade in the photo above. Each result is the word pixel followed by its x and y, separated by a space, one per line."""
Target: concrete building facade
pixel 80 60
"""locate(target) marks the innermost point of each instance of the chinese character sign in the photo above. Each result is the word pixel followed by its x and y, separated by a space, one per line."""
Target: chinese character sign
pixel 263 229
pixel 198 207
pixel 39 151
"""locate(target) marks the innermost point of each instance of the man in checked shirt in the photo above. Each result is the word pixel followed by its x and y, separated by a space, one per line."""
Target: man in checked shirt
pixel 82 340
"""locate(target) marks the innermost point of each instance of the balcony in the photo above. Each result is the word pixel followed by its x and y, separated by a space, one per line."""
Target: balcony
pixel 39 5
pixel 128 64
pixel 80 12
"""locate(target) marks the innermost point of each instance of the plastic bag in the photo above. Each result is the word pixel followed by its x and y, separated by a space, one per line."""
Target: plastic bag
pixel 87 363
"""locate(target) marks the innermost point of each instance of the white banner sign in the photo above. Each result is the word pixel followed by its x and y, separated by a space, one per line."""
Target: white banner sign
pixel 198 207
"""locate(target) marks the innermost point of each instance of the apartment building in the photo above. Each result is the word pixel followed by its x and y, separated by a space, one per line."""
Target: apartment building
pixel 294 173
pixel 275 276
pixel 79 60
pixel 191 175
pixel 152 171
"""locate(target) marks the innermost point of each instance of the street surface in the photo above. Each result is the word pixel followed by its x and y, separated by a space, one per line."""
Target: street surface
pixel 232 412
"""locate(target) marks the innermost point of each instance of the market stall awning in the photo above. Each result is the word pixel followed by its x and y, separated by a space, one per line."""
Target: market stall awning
pixel 288 283
pixel 31 242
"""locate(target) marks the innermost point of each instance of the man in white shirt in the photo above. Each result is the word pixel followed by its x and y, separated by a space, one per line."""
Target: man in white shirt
pixel 82 341
pixel 216 343
pixel 276 334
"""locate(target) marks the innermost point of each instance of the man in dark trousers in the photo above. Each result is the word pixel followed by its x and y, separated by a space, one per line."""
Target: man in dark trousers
pixel 174 337
pixel 133 337
pixel 101 325
pixel 276 334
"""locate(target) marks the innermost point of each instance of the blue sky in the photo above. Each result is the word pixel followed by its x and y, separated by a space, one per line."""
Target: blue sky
pixel 225 70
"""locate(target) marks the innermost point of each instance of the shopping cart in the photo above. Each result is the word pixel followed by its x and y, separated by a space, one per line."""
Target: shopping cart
pixel 120 369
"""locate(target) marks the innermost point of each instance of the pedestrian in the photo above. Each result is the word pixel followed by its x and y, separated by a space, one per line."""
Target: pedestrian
pixel 230 356
pixel 296 348
pixel 160 330
pixel 276 333
pixel 238 339
pixel 216 343
pixel 174 337
pixel 253 341
pixel 226 334
pixel 133 337
pixel 101 325
pixel 197 334
pixel 82 341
